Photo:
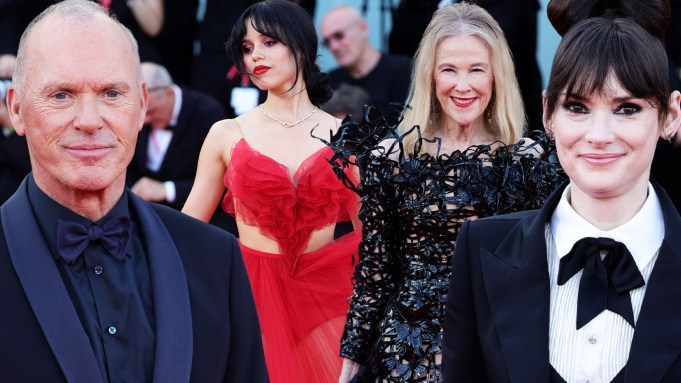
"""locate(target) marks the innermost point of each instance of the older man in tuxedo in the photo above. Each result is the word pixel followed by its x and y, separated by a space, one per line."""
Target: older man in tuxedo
pixel 98 285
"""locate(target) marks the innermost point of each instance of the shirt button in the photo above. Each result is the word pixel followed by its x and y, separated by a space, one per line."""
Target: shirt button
pixel 592 340
pixel 112 330
pixel 99 270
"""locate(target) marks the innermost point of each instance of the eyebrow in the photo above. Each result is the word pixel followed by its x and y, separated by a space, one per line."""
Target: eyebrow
pixel 70 86
pixel 259 37
pixel 478 64
pixel 584 98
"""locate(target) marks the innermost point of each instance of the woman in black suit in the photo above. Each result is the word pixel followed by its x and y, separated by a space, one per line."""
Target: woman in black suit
pixel 580 290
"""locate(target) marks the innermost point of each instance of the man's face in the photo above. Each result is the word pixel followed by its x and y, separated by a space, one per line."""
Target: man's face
pixel 160 110
pixel 81 107
pixel 344 36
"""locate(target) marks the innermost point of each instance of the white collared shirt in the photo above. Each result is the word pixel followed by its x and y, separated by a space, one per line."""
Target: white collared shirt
pixel 598 351
pixel 159 140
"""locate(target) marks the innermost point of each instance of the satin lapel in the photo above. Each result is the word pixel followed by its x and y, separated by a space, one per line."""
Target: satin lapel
pixel 657 339
pixel 45 290
pixel 171 298
pixel 517 283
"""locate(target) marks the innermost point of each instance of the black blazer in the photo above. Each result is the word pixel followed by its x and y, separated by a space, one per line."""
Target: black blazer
pixel 198 113
pixel 206 324
pixel 497 317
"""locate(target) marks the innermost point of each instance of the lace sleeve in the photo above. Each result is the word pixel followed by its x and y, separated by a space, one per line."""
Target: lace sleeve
pixel 377 271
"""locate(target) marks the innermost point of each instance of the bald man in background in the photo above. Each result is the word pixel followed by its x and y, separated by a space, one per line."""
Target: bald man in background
pixel 384 76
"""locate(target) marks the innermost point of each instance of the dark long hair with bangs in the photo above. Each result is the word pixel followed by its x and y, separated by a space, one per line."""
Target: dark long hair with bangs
pixel 613 44
pixel 292 26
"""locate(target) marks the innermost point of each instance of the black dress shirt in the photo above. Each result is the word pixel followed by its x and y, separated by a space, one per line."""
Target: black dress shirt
pixel 113 298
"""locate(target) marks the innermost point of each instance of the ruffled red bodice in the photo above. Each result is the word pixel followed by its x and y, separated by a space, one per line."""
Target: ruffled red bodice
pixel 286 209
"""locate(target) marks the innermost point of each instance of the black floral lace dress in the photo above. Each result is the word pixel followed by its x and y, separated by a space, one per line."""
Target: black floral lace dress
pixel 412 210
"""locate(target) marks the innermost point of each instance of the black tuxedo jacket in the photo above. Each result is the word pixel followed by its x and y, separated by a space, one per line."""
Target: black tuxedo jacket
pixel 497 317
pixel 206 324
pixel 198 113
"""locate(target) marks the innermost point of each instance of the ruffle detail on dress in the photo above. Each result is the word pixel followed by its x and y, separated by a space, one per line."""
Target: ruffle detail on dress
pixel 496 175
pixel 285 209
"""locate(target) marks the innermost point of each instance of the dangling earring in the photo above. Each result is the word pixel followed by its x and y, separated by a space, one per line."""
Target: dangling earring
pixel 671 135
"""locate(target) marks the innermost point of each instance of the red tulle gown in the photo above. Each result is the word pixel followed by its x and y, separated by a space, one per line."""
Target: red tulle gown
pixel 302 298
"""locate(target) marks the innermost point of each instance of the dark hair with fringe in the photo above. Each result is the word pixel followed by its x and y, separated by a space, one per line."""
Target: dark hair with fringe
pixel 612 43
pixel 292 26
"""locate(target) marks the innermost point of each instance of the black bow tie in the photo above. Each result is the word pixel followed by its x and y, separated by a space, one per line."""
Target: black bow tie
pixel 605 284
pixel 73 238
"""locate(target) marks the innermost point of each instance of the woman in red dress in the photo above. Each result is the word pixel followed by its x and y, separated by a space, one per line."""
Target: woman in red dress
pixel 284 195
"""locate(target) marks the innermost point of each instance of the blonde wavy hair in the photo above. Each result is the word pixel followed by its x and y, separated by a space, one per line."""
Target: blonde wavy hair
pixel 505 113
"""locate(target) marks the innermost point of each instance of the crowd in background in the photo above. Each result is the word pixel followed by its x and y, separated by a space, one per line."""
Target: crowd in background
pixel 188 38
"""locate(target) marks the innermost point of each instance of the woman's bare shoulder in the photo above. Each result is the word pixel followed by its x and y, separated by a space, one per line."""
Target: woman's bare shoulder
pixel 223 136
pixel 230 128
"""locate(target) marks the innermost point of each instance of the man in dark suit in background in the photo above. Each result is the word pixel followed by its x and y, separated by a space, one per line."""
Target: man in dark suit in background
pixel 96 284
pixel 167 151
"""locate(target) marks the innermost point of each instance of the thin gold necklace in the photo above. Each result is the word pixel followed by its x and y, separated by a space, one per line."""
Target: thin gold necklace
pixel 287 124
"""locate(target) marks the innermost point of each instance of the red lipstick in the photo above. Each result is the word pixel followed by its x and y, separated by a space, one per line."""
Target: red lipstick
pixel 260 70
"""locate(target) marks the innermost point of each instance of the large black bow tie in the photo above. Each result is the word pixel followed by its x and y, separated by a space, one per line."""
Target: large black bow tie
pixel 73 238
pixel 605 284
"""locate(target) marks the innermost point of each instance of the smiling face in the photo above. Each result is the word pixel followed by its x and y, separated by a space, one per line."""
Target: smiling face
pixel 464 78
pixel 269 60
pixel 606 141
pixel 80 105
